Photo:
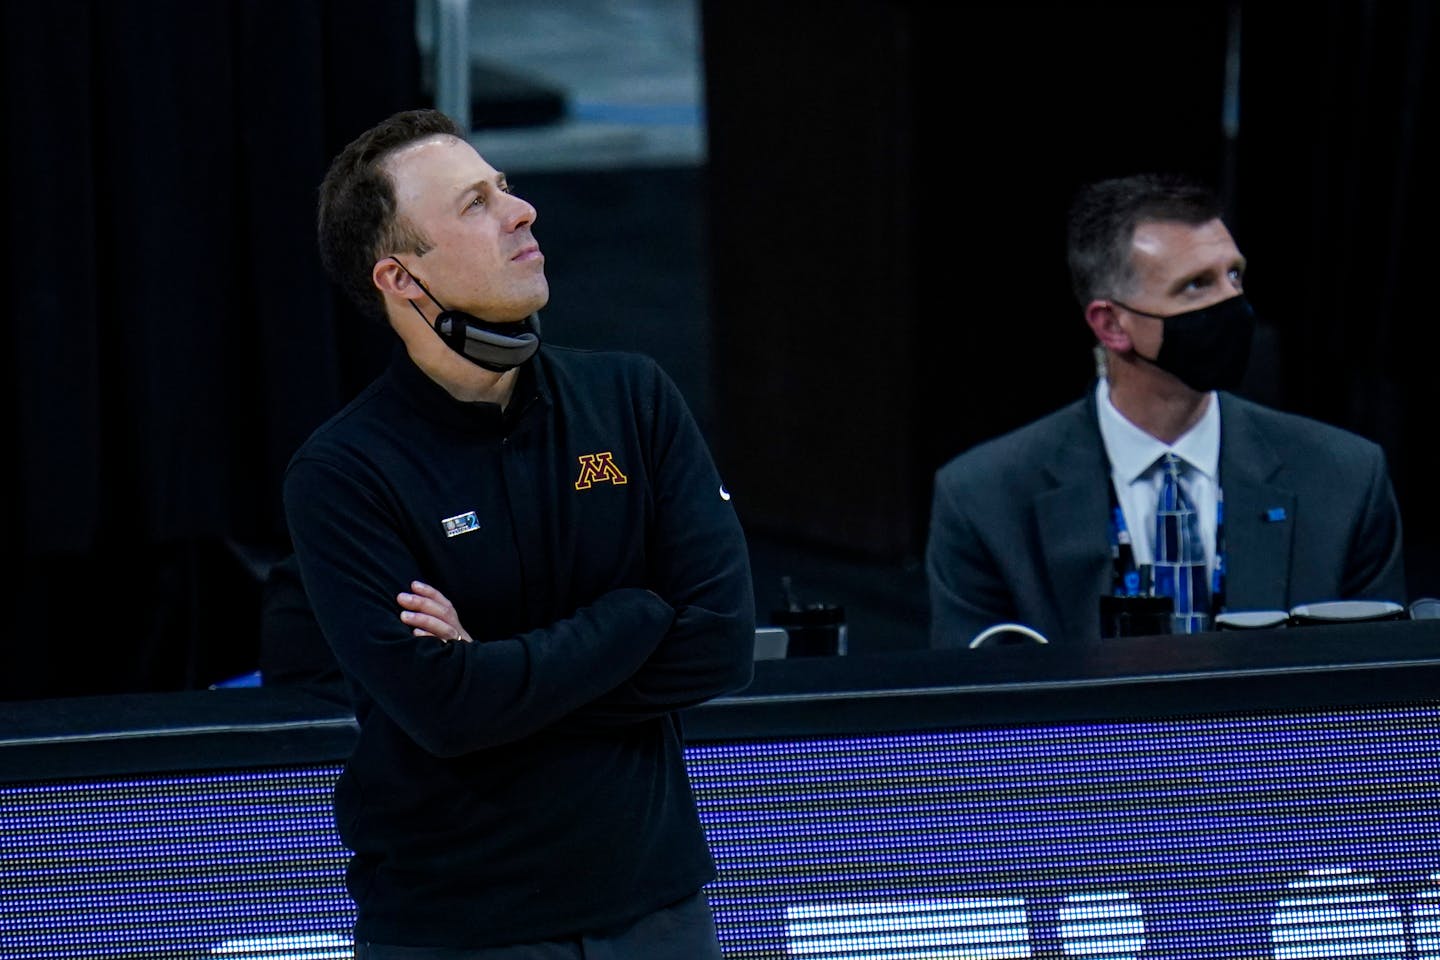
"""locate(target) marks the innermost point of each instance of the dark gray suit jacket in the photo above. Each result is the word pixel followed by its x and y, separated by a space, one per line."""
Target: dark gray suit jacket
pixel 1018 525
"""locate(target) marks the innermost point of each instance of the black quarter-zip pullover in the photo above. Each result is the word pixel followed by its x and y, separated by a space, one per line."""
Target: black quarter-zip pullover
pixel 531 785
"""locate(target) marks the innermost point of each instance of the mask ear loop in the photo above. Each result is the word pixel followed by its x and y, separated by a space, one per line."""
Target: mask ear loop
pixel 1119 303
pixel 435 326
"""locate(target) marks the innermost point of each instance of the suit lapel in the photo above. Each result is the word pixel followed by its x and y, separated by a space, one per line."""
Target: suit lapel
pixel 1072 518
pixel 1259 514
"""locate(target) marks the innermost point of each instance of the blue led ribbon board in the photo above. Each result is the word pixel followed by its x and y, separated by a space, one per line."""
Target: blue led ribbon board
pixel 1312 834
pixel 236 865
pixel 1305 835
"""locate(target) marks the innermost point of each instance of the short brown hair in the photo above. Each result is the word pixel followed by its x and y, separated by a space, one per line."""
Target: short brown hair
pixel 1103 218
pixel 357 223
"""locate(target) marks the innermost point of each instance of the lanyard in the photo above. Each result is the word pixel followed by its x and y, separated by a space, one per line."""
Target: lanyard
pixel 1129 580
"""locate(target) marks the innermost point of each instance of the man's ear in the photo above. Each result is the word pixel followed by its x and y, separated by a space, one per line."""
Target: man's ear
pixel 392 279
pixel 1104 321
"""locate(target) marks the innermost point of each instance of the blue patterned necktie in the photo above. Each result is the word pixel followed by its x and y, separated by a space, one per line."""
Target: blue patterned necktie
pixel 1180 553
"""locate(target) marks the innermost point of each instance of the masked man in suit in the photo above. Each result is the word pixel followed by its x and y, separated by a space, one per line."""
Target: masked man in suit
pixel 1033 527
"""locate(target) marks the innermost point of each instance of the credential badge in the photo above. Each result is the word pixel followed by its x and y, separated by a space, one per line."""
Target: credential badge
pixel 463 523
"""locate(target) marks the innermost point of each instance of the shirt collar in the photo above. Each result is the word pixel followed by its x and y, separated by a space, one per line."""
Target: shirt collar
pixel 1133 452
pixel 532 388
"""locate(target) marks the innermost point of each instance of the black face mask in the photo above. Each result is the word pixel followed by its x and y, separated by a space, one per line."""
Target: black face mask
pixel 1207 349
pixel 495 346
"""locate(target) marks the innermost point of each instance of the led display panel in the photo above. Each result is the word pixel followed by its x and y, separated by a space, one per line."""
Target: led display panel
pixel 1310 834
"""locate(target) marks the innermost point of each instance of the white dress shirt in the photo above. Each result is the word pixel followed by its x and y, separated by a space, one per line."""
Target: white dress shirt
pixel 1137 476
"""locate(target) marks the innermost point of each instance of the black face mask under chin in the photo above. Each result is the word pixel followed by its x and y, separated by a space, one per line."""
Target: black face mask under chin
pixel 1206 349
pixel 495 346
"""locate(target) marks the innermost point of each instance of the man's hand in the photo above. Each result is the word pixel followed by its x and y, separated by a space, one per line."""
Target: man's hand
pixel 429 614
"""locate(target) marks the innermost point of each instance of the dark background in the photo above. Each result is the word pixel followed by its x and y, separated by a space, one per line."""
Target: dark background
pixel 870 268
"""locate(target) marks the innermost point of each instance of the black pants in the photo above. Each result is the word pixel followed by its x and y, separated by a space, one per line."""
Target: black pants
pixel 681 931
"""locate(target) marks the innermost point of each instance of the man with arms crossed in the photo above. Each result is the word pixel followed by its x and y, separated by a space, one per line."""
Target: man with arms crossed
pixel 1033 527
pixel 526 563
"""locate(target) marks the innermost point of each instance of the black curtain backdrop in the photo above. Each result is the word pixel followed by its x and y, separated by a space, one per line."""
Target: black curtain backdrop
pixel 812 252
pixel 171 338
pixel 1337 204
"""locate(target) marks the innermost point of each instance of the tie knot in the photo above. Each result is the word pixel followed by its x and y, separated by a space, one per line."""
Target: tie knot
pixel 1172 464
